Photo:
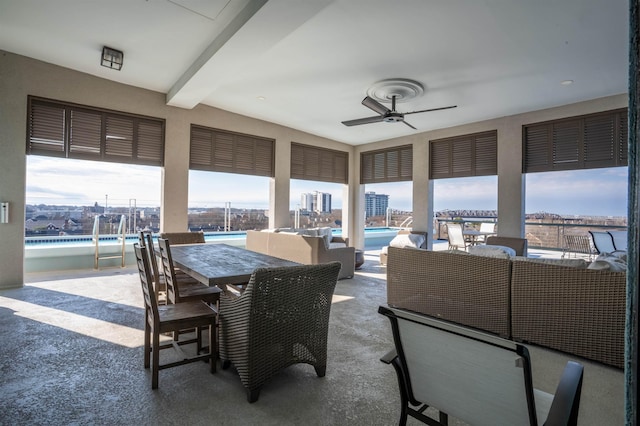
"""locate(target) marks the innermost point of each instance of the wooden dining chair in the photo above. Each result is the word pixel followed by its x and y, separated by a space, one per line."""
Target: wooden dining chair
pixel 173 318
pixel 178 292
pixel 176 238
pixel 145 239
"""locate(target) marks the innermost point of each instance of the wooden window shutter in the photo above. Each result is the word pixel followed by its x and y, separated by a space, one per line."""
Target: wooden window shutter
pixel 85 134
pixel 148 148
pixel 537 148
pixel 387 165
pixel 222 151
pixel 583 142
pixel 47 127
pixel 119 139
pixel 463 156
pixel 622 139
pixel 319 164
pixel 76 131
pixel 566 144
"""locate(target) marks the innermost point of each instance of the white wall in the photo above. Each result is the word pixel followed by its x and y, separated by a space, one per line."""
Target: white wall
pixel 21 76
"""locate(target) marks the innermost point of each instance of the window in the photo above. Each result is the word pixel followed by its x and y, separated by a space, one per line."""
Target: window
pixel 583 142
pixel 463 156
pixel 387 165
pixel 58 129
pixel 228 152
pixel 319 164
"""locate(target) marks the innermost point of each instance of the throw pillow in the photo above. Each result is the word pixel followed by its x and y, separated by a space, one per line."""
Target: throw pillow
pixel 407 240
pixel 327 235
pixel 492 251
pixel 610 262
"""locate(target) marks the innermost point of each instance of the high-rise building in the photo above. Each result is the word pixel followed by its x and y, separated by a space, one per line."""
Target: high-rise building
pixel 316 202
pixel 375 204
pixel 306 201
pixel 323 202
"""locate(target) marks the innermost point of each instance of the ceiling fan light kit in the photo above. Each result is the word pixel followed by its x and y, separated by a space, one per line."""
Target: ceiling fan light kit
pixel 391 90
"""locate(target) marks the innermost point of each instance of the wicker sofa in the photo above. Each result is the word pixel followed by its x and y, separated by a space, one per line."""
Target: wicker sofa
pixel 305 249
pixel 578 311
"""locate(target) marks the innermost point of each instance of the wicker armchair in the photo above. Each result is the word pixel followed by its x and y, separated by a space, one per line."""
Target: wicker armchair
pixel 282 318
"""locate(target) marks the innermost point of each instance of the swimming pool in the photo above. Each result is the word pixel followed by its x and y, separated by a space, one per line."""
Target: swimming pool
pixel 78 251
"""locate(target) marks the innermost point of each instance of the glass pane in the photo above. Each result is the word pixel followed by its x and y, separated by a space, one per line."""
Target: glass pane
pixel 227 201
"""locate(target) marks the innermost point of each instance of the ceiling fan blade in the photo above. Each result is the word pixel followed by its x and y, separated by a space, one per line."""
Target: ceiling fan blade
pixel 409 125
pixel 375 106
pixel 432 109
pixel 366 120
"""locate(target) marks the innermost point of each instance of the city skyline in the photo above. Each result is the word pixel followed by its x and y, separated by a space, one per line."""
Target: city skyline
pixel 595 192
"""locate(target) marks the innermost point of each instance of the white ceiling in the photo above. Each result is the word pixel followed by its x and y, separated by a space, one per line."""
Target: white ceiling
pixel 313 60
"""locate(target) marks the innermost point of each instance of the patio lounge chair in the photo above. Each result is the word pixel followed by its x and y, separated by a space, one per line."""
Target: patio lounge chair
pixel 602 241
pixel 456 237
pixel 577 244
pixel 476 377
pixel 619 239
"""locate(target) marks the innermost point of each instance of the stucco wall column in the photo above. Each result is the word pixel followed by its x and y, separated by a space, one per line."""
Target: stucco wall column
pixel 13 111
pixel 511 194
pixel 279 186
pixel 422 192
pixel 175 178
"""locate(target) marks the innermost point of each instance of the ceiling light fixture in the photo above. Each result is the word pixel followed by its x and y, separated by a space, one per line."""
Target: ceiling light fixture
pixel 112 58
pixel 566 82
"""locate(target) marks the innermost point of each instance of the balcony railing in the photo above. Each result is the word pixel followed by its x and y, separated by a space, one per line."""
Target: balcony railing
pixel 542 234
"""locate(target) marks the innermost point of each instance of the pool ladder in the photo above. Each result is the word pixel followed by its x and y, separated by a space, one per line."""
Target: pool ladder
pixel 122 229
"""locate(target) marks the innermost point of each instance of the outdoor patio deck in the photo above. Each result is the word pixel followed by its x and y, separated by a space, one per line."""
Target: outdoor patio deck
pixel 73 355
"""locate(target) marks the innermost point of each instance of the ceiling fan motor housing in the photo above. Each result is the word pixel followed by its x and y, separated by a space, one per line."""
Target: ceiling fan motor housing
pixel 393 117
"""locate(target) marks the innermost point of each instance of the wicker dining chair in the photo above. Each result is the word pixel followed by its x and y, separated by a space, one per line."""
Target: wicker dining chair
pixel 172 318
pixel 282 318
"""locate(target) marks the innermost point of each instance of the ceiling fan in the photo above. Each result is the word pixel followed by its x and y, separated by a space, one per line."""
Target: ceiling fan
pixel 385 114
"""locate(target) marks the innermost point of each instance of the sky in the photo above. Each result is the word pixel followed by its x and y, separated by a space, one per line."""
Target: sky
pixel 598 192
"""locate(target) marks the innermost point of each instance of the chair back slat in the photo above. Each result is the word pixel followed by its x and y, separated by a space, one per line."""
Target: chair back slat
pixel 150 301
pixel 173 292
pixel 480 379
pixel 176 238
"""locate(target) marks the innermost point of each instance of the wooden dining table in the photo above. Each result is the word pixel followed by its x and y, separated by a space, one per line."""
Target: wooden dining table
pixel 220 264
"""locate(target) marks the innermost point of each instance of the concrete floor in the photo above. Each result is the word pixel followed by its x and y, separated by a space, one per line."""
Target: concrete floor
pixel 72 355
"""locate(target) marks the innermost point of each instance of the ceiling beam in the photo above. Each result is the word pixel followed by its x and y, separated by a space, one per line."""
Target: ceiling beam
pixel 187 91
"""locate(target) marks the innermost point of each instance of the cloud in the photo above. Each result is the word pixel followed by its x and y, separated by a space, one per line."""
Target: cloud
pixel 601 192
